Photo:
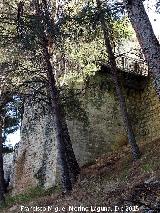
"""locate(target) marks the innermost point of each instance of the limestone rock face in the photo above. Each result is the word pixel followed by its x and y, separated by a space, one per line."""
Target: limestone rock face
pixel 35 160
pixel 7 165
pixel 35 157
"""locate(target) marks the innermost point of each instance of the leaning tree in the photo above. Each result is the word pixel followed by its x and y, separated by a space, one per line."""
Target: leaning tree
pixel 44 32
pixel 146 37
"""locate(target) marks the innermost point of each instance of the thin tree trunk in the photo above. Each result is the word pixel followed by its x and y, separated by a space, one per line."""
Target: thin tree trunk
pixel 146 37
pixel 127 123
pixel 2 181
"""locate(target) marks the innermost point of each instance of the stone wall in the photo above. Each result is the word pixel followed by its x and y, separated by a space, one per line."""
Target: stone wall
pixel 36 157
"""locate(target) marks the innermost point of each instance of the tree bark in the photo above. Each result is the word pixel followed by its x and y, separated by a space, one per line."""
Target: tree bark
pixel 74 168
pixel 2 181
pixel 127 123
pixel 146 37
pixel 68 164
pixel 55 107
pixel 69 167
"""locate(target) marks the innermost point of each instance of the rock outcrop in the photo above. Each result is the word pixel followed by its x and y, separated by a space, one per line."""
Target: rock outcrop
pixel 35 161
pixel 7 165
pixel 35 158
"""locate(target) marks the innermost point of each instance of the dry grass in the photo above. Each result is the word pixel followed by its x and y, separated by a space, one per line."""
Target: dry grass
pixel 108 182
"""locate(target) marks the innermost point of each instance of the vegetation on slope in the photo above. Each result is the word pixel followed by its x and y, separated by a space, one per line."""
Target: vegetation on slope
pixel 112 180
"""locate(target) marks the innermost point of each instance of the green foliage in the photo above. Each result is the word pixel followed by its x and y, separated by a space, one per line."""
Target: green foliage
pixel 78 36
pixel 78 52
pixel 83 38
pixel 147 167
pixel 29 195
pixel 121 29
pixel 96 86
pixel 72 104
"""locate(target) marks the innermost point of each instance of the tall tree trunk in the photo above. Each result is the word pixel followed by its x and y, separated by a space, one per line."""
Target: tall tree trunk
pixel 127 123
pixel 55 107
pixel 2 181
pixel 146 37
pixel 74 168
pixel 68 164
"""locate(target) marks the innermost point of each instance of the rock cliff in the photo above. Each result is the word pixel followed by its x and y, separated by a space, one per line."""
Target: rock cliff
pixel 7 165
pixel 36 157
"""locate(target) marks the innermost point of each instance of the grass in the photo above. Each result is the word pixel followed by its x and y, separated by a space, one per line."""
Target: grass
pixel 28 196
pixel 147 167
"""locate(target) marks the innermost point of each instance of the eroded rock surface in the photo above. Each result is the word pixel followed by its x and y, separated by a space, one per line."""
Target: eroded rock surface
pixel 35 161
pixel 35 158
pixel 7 165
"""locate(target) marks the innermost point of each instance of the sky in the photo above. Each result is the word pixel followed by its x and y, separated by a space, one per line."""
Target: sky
pixel 155 21
pixel 153 16
pixel 13 138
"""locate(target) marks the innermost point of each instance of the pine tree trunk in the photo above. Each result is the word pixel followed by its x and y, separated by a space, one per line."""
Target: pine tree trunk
pixel 74 168
pixel 146 37
pixel 2 181
pixel 69 167
pixel 127 123
pixel 56 111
